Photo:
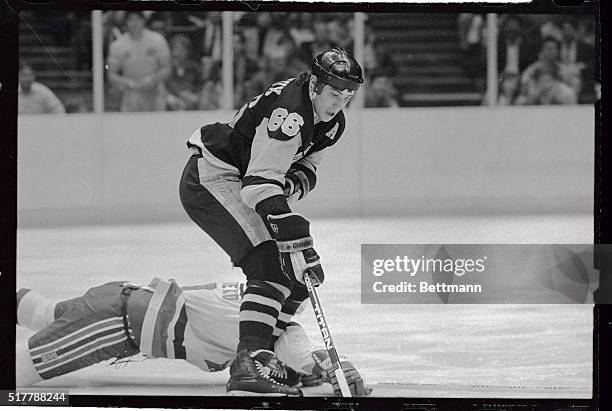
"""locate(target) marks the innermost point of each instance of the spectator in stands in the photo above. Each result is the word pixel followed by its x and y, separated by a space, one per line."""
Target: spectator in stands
pixel 577 60
pixel 112 26
pixel 381 91
pixel 212 89
pixel 309 50
pixel 514 50
pixel 112 23
pixel 207 34
pixel 184 83
pixel 244 67
pixel 548 60
pixel 273 68
pixel 274 37
pixel 160 21
pixel 546 88
pixel 287 53
pixel 369 50
pixel 551 28
pixel 471 28
pixel 339 35
pixel 138 64
pixel 301 32
pixel 295 64
pixel 247 25
pixel 376 58
pixel 509 88
pixel 34 97
pixel 263 24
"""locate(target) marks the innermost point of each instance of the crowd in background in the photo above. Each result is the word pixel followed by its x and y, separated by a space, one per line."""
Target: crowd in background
pixel 173 61
pixel 267 47
pixel 541 59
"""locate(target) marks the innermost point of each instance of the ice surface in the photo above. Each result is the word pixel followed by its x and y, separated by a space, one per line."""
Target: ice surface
pixel 543 351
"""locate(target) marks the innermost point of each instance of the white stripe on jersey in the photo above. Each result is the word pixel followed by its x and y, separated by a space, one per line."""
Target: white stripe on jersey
pixel 148 324
pixel 170 340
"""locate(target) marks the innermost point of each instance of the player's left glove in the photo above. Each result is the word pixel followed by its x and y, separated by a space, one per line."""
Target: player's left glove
pixel 297 184
pixel 292 234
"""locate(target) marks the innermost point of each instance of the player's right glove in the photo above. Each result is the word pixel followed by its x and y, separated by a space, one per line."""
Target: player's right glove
pixel 292 234
pixel 324 369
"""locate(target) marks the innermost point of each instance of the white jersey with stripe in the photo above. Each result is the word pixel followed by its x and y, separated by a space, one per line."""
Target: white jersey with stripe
pixel 204 327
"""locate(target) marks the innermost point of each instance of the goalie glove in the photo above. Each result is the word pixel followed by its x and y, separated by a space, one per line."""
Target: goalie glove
pixel 292 234
pixel 354 378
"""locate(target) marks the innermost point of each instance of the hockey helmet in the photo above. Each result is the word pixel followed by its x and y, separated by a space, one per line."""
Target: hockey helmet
pixel 337 69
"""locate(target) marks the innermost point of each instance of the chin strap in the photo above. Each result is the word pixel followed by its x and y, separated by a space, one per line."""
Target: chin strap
pixel 314 112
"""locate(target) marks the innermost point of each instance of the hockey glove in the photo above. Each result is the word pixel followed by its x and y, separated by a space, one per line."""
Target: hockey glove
pixel 354 379
pixel 292 192
pixel 297 185
pixel 292 234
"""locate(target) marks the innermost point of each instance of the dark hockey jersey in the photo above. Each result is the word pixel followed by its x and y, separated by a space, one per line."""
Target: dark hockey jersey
pixel 269 135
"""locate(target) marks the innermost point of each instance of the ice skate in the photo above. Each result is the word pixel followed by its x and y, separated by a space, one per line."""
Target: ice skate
pixel 250 376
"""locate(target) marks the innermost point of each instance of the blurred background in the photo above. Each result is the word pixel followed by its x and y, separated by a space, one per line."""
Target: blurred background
pixel 460 113
pixel 411 59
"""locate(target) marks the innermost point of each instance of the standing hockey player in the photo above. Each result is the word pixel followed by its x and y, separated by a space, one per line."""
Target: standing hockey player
pixel 119 319
pixel 236 184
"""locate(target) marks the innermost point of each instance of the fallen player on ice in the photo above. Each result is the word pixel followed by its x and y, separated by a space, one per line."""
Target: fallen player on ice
pixel 162 320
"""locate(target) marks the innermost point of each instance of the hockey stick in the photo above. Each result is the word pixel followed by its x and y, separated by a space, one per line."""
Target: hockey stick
pixel 327 339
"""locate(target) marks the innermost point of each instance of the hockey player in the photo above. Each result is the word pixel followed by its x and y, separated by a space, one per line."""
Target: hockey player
pixel 235 187
pixel 119 319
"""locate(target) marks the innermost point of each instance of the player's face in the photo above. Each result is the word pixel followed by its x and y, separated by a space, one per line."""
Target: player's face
pixel 330 102
pixel 135 24
pixel 26 78
pixel 549 51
